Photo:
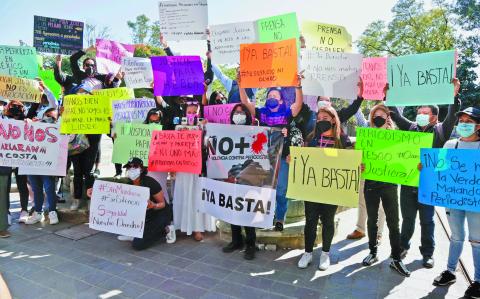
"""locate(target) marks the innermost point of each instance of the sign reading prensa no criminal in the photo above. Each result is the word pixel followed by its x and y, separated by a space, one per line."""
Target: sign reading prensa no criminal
pixel 58 36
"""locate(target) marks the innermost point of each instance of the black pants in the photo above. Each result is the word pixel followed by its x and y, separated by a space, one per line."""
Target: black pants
pixel 22 189
pixel 155 223
pixel 387 194
pixel 83 166
pixel 326 213
pixel 250 235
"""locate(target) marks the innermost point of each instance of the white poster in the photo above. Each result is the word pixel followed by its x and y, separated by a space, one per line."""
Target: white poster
pixel 119 208
pixel 331 74
pixel 138 72
pixel 226 40
pixel 60 170
pixel 134 110
pixel 237 204
pixel 183 19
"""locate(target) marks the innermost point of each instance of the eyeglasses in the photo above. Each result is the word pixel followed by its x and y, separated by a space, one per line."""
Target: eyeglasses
pixel 90 65
pixel 191 102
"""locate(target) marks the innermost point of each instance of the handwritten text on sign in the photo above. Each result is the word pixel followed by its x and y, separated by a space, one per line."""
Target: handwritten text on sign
pixel 109 55
pixel 133 140
pixel 119 93
pixel 374 76
pixel 18 62
pixel 177 75
pixel 138 72
pixel 326 37
pixel 134 110
pixel 85 114
pixel 183 19
pixel 278 28
pixel 227 38
pixel 24 90
pixel 58 36
pixel 218 114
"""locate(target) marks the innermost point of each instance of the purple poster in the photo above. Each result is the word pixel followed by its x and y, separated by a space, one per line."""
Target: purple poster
pixel 177 75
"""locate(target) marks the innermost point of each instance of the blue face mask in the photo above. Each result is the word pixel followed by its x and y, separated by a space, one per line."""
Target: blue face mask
pixel 465 129
pixel 271 103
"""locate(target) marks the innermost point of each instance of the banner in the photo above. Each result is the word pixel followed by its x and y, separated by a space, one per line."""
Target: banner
pixel 57 36
pixel 132 111
pixel 133 140
pixel 227 38
pixel 119 93
pixel 183 19
pixel 324 175
pixel 48 79
pixel 176 151
pixel 278 28
pixel 421 79
pixel 109 55
pixel 85 114
pixel 374 76
pixel 450 178
pixel 138 72
pixel 268 65
pixel 177 75
pixel 326 37
pixel 237 204
pixel 60 170
pixel 392 156
pixel 118 208
pixel 218 114
pixel 18 62
pixel 331 74
pixel 32 144
pixel 24 90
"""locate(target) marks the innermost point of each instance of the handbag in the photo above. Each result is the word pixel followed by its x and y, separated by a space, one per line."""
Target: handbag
pixel 77 144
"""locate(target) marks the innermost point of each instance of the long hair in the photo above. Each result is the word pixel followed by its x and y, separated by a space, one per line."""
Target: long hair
pixel 249 119
pixel 336 128
pixel 389 122
pixel 10 104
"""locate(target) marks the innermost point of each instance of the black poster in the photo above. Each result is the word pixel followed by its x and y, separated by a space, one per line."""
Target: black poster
pixel 58 36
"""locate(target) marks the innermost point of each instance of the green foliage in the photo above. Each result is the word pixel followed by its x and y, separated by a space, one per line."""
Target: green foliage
pixel 145 32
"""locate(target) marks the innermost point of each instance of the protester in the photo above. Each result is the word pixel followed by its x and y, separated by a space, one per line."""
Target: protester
pixel 67 82
pixel 47 101
pixel 5 173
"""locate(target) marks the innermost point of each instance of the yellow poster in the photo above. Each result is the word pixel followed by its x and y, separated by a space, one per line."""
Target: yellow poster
pixel 85 114
pixel 324 175
pixel 120 93
pixel 24 90
pixel 326 37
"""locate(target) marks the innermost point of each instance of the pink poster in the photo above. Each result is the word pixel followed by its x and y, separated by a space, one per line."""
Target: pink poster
pixel 374 75
pixel 109 55
pixel 218 114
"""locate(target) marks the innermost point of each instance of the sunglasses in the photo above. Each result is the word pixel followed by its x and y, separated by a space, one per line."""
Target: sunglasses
pixel 191 102
pixel 90 65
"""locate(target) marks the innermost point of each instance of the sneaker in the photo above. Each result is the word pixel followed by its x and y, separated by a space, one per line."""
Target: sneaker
pixel 23 217
pixel 60 199
pixel 428 262
pixel 305 260
pixel 370 260
pixel 96 172
pixel 75 204
pixel 473 290
pixel 9 219
pixel 124 238
pixel 117 176
pixel 278 226
pixel 35 218
pixel 4 234
pixel 231 247
pixel 249 252
pixel 324 261
pixel 445 279
pixel 171 235
pixel 403 253
pixel 400 268
pixel 355 235
pixel 53 217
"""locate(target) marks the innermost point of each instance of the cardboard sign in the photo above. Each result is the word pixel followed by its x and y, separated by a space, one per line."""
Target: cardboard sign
pixel 32 144
pixel 133 140
pixel 60 170
pixel 86 114
pixel 118 208
pixel 48 79
pixel 177 75
pixel 421 79
pixel 18 62
pixel 176 151
pixel 237 204
pixel 110 54
pixel 374 76
pixel 218 114
pixel 24 90
pixel 132 111
pixel 268 65
pixel 227 38
pixel 119 93
pixel 392 156
pixel 183 19
pixel 278 28
pixel 326 37
pixel 138 72
pixel 331 74
pixel 57 36
pixel 324 175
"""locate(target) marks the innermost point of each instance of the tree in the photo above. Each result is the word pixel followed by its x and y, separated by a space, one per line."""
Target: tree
pixel 92 32
pixel 144 32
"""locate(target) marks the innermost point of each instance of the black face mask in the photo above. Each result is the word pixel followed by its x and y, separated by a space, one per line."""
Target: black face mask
pixel 89 71
pixel 323 126
pixel 379 121
pixel 16 111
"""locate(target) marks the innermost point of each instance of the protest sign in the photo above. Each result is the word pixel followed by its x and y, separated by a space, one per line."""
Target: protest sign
pixel 177 75
pixel 227 38
pixel 267 65
pixel 32 144
pixel 326 37
pixel 57 36
pixel 374 76
pixel 109 55
pixel 278 28
pixel 331 74
pixel 421 79
pixel 18 62
pixel 237 204
pixel 138 72
pixel 60 170
pixel 218 114
pixel 119 93
pixel 48 79
pixel 392 156
pixel 119 208
pixel 132 140
pixel 85 114
pixel 324 175
pixel 134 110
pixel 183 19
pixel 177 151
pixel 25 90
pixel 450 178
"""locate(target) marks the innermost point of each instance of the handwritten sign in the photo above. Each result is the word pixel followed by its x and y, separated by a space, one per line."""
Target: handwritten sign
pixel 392 156
pixel 177 151
pixel 61 168
pixel 331 74
pixel 24 90
pixel 278 28
pixel 227 38
pixel 450 178
pixel 138 72
pixel 177 75
pixel 421 79
pixel 109 55
pixel 85 114
pixel 374 76
pixel 119 208
pixel 120 93
pixel 326 37
pixel 218 114
pixel 18 62
pixel 133 111
pixel 133 140
pixel 58 36
pixel 48 79
pixel 184 19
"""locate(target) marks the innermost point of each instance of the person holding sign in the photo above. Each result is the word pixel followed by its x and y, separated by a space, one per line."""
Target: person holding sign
pixel 5 174
pixel 469 130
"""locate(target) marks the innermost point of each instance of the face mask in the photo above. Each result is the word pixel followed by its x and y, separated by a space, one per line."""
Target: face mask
pixel 89 71
pixel 191 118
pixel 239 119
pixel 322 104
pixel 323 126
pixel 465 129
pixel 379 121
pixel 49 119
pixel 423 120
pixel 133 173
pixel 222 101
pixel 15 111
pixel 271 103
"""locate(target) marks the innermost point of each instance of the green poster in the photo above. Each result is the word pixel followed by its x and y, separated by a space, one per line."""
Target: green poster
pixel 49 79
pixel 392 156
pixel 18 62
pixel 132 140
pixel 421 79
pixel 277 28
pixel 40 62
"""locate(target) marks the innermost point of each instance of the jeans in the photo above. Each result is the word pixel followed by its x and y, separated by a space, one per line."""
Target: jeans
pixel 326 212
pixel 22 189
pixel 155 223
pixel 409 205
pixel 362 213
pixel 250 235
pixel 4 201
pixel 456 220
pixel 282 185
pixel 83 166
pixel 39 183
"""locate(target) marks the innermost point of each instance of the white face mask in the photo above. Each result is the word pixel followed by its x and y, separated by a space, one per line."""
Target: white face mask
pixel 423 120
pixel 322 104
pixel 239 119
pixel 133 173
